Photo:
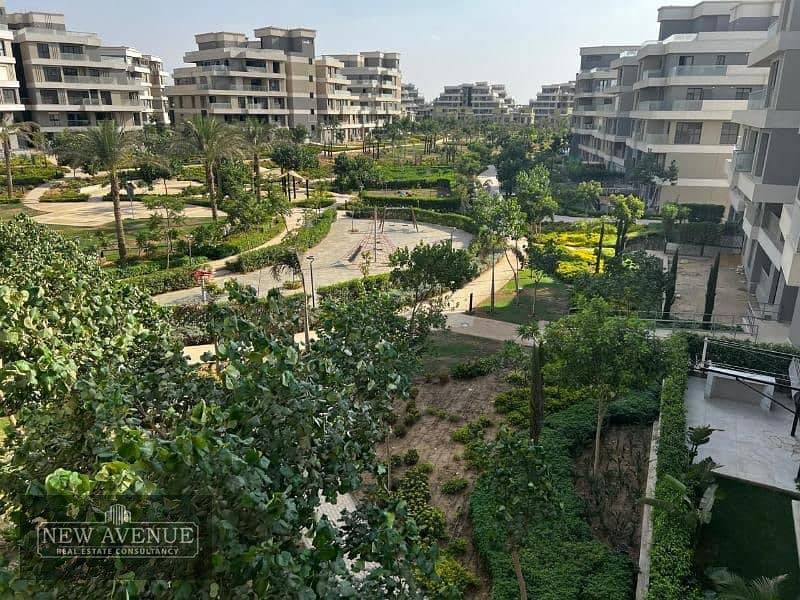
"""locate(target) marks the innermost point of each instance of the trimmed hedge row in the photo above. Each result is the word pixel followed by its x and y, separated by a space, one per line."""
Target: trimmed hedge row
pixel 426 216
pixel 349 290
pixel 739 355
pixel 302 239
pixel 32 176
pixel 325 203
pixel 64 196
pixel 169 280
pixel 239 242
pixel 561 560
pixel 435 204
pixel 672 552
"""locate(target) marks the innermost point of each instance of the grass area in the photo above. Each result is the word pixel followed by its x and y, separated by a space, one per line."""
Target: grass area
pixel 448 349
pixel 752 534
pixel 552 301
pixel 9 211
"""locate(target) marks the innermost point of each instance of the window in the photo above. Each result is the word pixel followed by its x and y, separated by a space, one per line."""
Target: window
pixel 276 67
pixel 311 78
pixel 52 74
pixel 49 96
pixel 43 50
pixel 311 95
pixel 71 49
pixel 274 85
pixel 685 61
pixel 721 59
pixel 743 93
pixel 9 97
pixel 694 93
pixel 730 134
pixel 54 119
pixel 688 133
pixel 70 71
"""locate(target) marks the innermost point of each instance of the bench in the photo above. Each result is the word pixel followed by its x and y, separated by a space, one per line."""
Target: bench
pixel 724 382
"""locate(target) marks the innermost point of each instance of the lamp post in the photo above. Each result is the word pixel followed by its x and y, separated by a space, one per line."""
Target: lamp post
pixel 311 260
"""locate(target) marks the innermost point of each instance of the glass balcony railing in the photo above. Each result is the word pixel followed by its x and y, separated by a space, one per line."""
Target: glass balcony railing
pixel 757 100
pixel 652 73
pixel 743 161
pixel 659 105
pixel 699 71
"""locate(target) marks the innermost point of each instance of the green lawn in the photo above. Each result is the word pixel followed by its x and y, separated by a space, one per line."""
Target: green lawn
pixel 752 534
pixel 552 301
pixel 448 348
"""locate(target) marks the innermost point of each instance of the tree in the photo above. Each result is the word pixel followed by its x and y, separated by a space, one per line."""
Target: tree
pixel 354 173
pixel 290 156
pixel 291 261
pixel 256 137
pixel 536 380
pixel 734 587
pixel 625 210
pixel 711 294
pixel 38 140
pixel 172 219
pixel 545 257
pixel 9 130
pixel 588 193
pixel 604 353
pixel 500 219
pixel 672 281
pixel 427 271
pixel 111 148
pixel 535 196
pixel 631 282
pixel 210 140
pixel 67 148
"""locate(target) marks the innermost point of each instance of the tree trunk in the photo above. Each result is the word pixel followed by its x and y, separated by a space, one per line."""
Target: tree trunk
pixel 9 176
pixel 257 171
pixel 523 589
pixel 306 324
pixel 601 414
pixel 121 248
pixel 210 189
pixel 600 247
pixel 537 392
pixel 516 276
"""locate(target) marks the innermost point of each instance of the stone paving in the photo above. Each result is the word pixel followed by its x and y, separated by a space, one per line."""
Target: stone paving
pixel 754 445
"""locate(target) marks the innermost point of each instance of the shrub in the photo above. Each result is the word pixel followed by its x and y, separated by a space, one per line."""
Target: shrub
pixel 455 579
pixel 28 175
pixel 454 486
pixel 471 369
pixel 447 205
pixel 400 430
pixel 324 203
pixel 192 173
pixel 65 197
pixel 299 240
pixel 411 457
pixel 415 489
pixel 516 399
pixel 350 290
pixel 457 546
pixel 471 431
pixel 395 460
pixel 168 280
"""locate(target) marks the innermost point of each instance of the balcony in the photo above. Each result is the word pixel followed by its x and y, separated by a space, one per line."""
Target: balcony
pixel 699 71
pixel 82 79
pixel 743 161
pixel 757 100
pixel 675 105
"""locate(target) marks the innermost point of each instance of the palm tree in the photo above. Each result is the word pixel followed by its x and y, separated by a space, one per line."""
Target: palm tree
pixel 290 261
pixel 110 147
pixel 735 587
pixel 256 137
pixel 8 130
pixel 40 143
pixel 211 140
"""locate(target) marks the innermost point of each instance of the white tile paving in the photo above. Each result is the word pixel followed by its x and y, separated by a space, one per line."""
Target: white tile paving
pixel 755 445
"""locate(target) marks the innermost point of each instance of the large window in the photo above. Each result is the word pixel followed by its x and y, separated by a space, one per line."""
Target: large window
pixel 743 93
pixel 43 50
pixel 52 74
pixel 730 134
pixel 71 49
pixel 685 61
pixel 694 93
pixel 688 133
pixel 49 96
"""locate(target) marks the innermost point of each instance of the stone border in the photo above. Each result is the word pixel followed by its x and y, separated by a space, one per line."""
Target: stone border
pixel 646 543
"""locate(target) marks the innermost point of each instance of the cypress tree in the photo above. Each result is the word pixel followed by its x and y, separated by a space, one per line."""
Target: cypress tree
pixel 711 293
pixel 669 292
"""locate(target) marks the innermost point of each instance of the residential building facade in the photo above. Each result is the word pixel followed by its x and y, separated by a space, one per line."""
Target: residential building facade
pixel 339 113
pixel 482 101
pixel 270 78
pixel 375 81
pixel 764 173
pixel 410 100
pixel 66 80
pixel 148 71
pixel 553 102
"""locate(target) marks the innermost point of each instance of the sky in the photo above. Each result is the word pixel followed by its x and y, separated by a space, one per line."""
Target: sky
pixel 520 43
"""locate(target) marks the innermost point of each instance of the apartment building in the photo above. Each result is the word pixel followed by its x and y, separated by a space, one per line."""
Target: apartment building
pixel 764 173
pixel 411 101
pixel 555 100
pixel 482 101
pixel 66 80
pixel 599 115
pixel 148 71
pixel 10 104
pixel 271 78
pixel 339 113
pixel 375 79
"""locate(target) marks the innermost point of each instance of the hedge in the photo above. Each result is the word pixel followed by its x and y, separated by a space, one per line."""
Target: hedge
pixel 435 204
pixel 64 196
pixel 425 216
pixel 350 290
pixel 704 213
pixel 33 176
pixel 672 552
pixel 239 242
pixel 325 203
pixel 561 560
pixel 740 355
pixel 169 280
pixel 300 240
pixel 709 234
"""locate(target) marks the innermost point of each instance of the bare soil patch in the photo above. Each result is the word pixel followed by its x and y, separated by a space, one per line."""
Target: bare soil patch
pixel 443 409
pixel 613 507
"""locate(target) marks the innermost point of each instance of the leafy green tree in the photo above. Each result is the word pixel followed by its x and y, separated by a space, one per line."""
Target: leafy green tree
pixel 257 137
pixel 545 257
pixel 711 294
pixel 170 221
pixel 601 352
pixel 625 211
pixel 290 156
pixel 588 194
pixel 631 282
pixel 427 271
pixel 234 177
pixel 535 196
pixel 356 172
pixel 210 140
pixel 67 148
pixel 111 148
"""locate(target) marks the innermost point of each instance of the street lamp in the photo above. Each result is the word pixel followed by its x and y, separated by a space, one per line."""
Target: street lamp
pixel 311 260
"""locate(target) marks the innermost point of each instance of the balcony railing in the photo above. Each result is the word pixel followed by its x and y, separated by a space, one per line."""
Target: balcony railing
pixel 652 74
pixel 659 105
pixel 99 80
pixel 743 161
pixel 656 138
pixel 757 100
pixel 699 71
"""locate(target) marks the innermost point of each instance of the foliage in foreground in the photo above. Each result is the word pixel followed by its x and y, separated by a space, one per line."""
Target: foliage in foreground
pixel 106 406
